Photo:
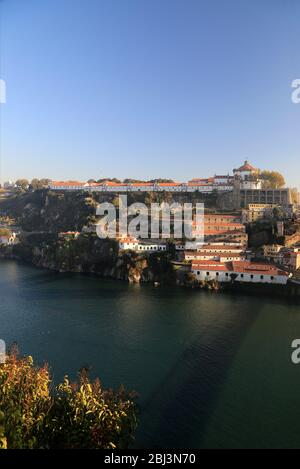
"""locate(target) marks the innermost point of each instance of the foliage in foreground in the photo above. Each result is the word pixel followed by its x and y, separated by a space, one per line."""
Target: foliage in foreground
pixel 70 415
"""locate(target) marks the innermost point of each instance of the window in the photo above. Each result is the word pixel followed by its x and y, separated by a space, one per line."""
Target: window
pixel 198 272
pixel 207 273
pixel 242 275
pixel 272 278
pixel 261 277
pixel 251 276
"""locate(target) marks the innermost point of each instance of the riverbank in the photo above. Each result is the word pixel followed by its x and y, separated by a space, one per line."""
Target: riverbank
pixel 103 259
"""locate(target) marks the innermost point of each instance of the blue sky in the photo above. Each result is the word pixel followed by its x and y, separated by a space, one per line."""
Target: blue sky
pixel 149 88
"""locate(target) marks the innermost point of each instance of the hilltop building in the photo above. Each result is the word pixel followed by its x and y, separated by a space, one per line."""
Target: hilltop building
pixel 246 174
pixel 244 184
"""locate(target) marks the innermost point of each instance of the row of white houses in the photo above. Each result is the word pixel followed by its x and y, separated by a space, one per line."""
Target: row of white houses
pixel 110 186
pixel 247 175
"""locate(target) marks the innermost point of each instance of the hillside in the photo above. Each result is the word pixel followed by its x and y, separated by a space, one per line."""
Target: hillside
pixel 50 211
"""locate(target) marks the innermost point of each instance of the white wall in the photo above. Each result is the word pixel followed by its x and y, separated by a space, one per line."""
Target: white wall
pixel 246 277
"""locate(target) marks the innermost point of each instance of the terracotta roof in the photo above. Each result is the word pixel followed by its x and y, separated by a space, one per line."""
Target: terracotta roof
pixel 240 267
pixel 111 183
pixel 219 232
pixel 164 184
pixel 222 248
pixel 257 268
pixel 219 215
pixel 218 253
pixel 67 183
pixel 191 183
pixel 246 167
pixel 128 240
pixel 201 180
pixel 141 184
pixel 224 225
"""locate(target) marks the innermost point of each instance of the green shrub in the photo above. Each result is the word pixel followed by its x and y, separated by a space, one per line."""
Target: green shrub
pixel 73 415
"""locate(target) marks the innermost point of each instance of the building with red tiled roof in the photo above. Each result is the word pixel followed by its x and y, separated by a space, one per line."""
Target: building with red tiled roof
pixel 246 168
pixel 220 256
pixel 238 271
pixel 221 183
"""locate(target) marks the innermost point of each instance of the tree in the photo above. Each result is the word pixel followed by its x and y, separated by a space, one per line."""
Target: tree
pixel 133 181
pixel 72 415
pixel 22 183
pixel 109 179
pixel 37 184
pixel 278 213
pixel 161 180
pixel 294 195
pixel 44 182
pixel 272 179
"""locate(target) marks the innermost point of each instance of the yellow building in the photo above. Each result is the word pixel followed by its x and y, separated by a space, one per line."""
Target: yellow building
pixel 271 250
pixel 255 212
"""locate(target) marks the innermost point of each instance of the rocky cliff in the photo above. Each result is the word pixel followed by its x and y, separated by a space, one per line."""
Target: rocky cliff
pixel 90 254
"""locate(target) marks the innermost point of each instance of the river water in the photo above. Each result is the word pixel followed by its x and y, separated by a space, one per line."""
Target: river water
pixel 211 369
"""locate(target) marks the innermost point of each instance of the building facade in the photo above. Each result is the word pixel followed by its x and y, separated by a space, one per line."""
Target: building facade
pixel 245 272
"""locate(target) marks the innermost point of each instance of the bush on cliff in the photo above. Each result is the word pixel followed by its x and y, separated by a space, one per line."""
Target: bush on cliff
pixel 72 415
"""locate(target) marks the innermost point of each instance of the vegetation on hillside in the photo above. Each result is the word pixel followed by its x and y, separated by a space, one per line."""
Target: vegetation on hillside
pixel 51 211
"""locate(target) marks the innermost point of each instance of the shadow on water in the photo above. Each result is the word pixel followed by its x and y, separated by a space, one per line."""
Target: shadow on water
pixel 186 398
pixel 179 410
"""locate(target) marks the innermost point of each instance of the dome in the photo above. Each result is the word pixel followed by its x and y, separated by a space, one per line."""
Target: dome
pixel 246 167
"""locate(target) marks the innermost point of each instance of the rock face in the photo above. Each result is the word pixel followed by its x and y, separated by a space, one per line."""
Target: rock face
pixel 90 254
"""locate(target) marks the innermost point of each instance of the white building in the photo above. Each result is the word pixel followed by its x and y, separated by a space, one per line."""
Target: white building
pixel 151 247
pixel 9 185
pixel 133 244
pixel 128 244
pixel 180 246
pixel 218 251
pixel 246 174
pixel 239 271
pixel 216 247
pixel 220 256
pixel 8 239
